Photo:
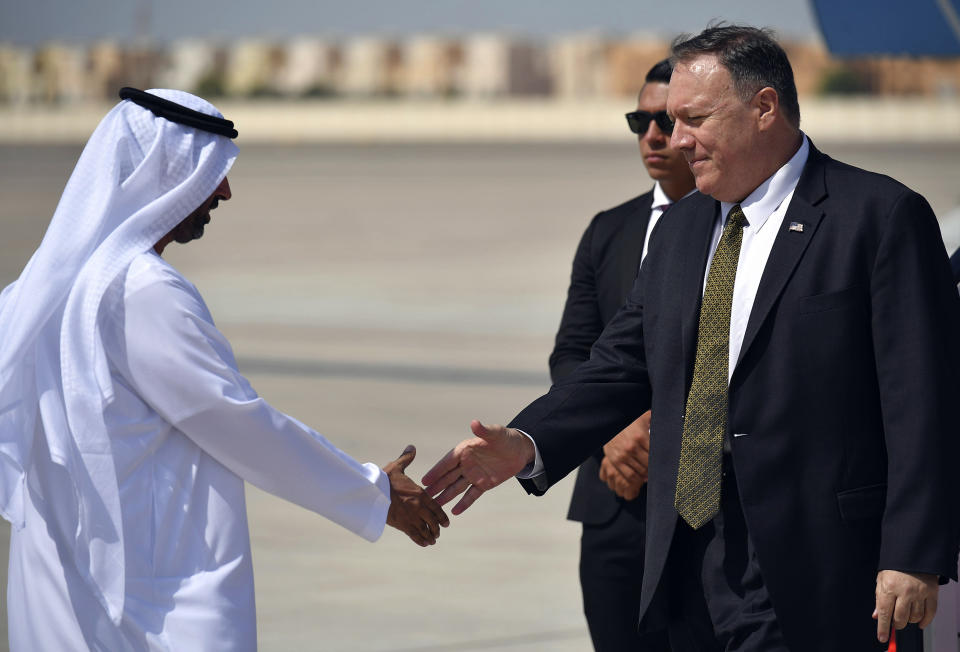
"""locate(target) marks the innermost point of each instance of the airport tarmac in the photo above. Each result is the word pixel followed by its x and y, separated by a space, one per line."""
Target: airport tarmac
pixel 387 294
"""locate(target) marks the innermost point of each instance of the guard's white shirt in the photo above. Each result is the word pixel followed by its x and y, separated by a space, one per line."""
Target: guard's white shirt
pixel 186 430
pixel 659 206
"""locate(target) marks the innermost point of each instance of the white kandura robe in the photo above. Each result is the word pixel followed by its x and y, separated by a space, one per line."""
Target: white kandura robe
pixel 186 430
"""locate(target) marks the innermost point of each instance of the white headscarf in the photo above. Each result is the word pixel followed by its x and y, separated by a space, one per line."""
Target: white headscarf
pixel 137 178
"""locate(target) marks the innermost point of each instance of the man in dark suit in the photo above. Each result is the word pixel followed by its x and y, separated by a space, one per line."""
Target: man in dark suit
pixel 609 496
pixel 793 331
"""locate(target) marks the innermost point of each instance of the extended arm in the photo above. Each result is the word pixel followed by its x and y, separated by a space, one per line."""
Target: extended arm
pixel 183 367
pixel 575 418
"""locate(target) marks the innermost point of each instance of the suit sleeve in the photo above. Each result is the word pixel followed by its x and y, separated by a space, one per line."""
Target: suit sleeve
pixel 604 395
pixel 916 323
pixel 581 323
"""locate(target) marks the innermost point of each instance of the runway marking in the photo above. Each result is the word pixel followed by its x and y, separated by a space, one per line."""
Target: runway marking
pixel 393 372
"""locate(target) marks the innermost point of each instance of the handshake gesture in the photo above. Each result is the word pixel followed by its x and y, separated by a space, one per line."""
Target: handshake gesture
pixel 475 465
pixel 412 511
pixel 492 457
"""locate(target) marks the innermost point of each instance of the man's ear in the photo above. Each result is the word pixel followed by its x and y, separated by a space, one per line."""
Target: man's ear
pixel 767 103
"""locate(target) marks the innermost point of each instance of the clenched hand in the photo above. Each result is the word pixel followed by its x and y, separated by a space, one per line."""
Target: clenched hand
pixel 412 511
pixel 625 459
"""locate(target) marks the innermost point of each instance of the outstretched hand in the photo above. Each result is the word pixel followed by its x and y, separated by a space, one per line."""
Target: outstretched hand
pixel 412 511
pixel 475 465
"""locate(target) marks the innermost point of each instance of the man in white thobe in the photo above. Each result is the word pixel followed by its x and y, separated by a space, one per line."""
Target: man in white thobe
pixel 126 429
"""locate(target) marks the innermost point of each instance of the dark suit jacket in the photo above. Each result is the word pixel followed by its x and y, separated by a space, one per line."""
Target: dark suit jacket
pixel 604 269
pixel 841 406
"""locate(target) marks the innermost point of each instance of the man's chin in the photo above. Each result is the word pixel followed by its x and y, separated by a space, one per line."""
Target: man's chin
pixel 193 234
pixel 704 185
pixel 197 226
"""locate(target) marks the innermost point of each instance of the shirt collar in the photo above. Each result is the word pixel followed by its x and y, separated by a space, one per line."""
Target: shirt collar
pixel 660 199
pixel 762 202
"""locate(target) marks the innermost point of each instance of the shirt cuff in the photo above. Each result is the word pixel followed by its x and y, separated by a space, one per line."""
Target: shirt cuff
pixel 383 480
pixel 534 471
pixel 380 505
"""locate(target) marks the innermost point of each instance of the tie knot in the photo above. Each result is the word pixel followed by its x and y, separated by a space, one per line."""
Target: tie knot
pixel 736 216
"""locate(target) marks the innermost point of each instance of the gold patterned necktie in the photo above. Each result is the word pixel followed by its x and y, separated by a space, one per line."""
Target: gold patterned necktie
pixel 705 418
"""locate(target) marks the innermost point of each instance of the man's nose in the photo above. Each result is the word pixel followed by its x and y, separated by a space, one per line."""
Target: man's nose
pixel 654 136
pixel 223 190
pixel 680 139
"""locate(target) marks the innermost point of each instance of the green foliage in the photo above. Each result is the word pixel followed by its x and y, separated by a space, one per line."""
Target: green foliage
pixel 211 85
pixel 263 91
pixel 843 80
pixel 320 91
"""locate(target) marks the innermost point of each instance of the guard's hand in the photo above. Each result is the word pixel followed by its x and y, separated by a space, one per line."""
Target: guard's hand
pixel 904 598
pixel 626 457
pixel 412 511
pixel 475 465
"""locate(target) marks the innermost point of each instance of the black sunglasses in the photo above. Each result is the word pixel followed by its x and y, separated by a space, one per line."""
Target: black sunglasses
pixel 639 121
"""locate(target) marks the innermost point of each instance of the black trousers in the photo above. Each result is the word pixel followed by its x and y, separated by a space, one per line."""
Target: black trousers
pixel 611 571
pixel 717 598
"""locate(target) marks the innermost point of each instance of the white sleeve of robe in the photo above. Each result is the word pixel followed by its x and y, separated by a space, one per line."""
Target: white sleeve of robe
pixel 184 368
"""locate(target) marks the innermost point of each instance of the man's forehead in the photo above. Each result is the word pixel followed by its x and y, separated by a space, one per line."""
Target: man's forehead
pixel 653 97
pixel 701 66
pixel 697 80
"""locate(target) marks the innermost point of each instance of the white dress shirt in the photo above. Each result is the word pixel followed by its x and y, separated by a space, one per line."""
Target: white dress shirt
pixel 660 204
pixel 764 209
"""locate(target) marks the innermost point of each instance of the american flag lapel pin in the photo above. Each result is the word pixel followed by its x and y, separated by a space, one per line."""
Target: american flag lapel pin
pixel 796 226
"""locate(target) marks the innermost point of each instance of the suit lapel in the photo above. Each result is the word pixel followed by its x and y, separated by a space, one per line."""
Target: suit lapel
pixel 789 246
pixel 631 244
pixel 691 289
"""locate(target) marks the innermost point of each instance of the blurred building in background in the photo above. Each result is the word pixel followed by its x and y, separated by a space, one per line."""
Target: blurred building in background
pixel 580 66
pixel 577 67
pixel 430 66
pixel 496 65
pixel 309 68
pixel 630 59
pixel 370 67
pixel 105 69
pixel 194 65
pixel 59 74
pixel 253 68
pixel 16 73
